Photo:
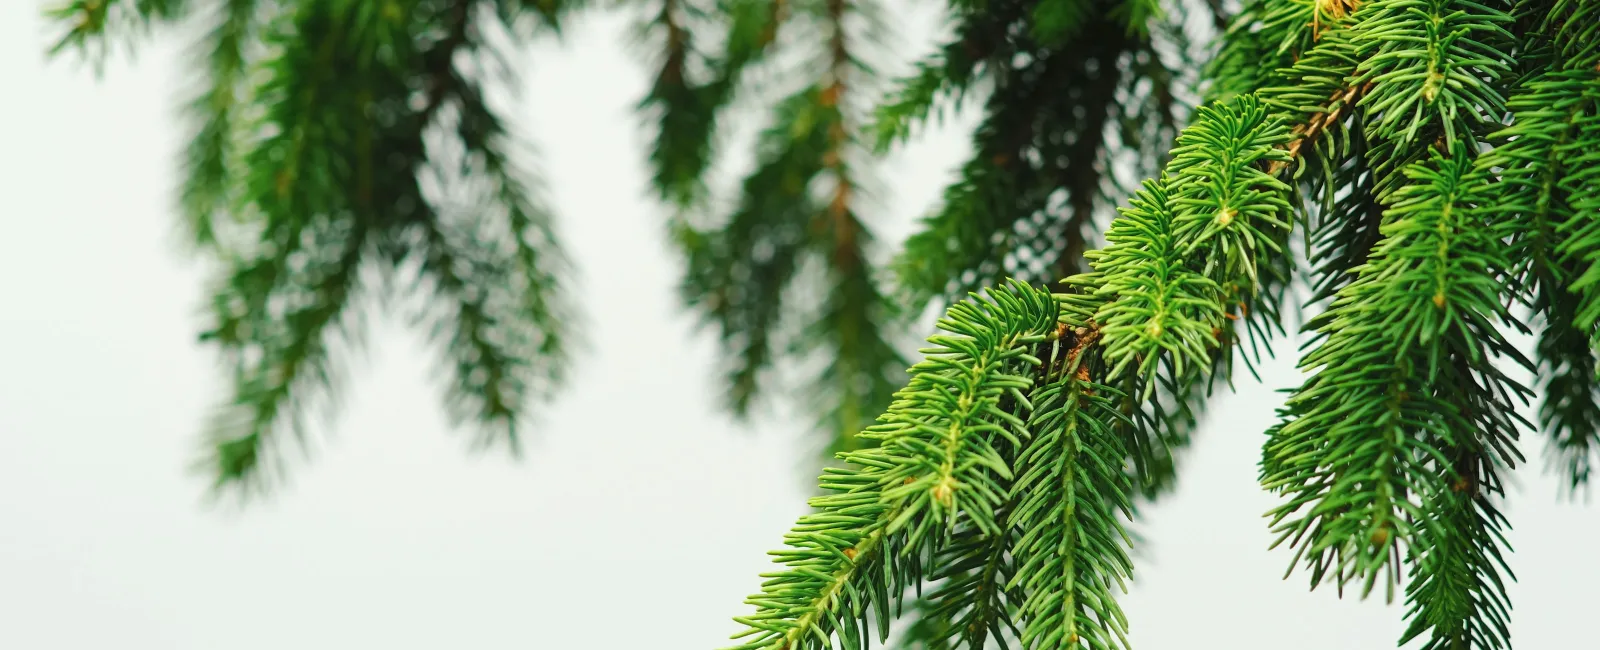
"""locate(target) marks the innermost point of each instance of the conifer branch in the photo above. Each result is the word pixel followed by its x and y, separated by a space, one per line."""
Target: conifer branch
pixel 1542 156
pixel 682 148
pixel 1443 157
pixel 1027 197
pixel 1347 228
pixel 865 367
pixel 1571 27
pixel 1074 494
pixel 1067 602
pixel 1265 38
pixel 692 90
pixel 970 603
pixel 797 225
pixel 351 149
pixel 1332 112
pixel 936 468
pixel 1353 456
pixel 92 26
pixel 1456 594
pixel 210 156
pixel 1450 84
pixel 1187 245
pixel 945 76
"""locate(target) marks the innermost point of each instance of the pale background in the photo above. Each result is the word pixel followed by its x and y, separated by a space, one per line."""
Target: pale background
pixel 626 526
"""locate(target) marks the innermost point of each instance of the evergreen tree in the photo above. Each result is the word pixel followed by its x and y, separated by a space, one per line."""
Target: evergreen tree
pixel 1414 180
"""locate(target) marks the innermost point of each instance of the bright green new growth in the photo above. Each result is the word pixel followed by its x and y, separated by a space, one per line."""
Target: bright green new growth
pixel 938 467
pixel 1031 533
pixel 1073 496
pixel 1184 251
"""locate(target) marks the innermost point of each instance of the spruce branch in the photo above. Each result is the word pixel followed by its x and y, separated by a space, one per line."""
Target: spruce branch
pixel 1437 68
pixel 1028 197
pixel 969 604
pixel 1573 28
pixel 937 468
pixel 1441 156
pixel 274 323
pixel 1074 495
pixel 1267 37
pixel 1073 487
pixel 1569 408
pixel 1348 223
pixel 864 368
pixel 91 27
pixel 1186 247
pixel 1580 182
pixel 797 225
pixel 1456 594
pixel 210 157
pixel 692 89
pixel 1353 454
pixel 945 76
pixel 1155 303
pixel 681 151
pixel 1542 158
pixel 283 367
pixel 333 139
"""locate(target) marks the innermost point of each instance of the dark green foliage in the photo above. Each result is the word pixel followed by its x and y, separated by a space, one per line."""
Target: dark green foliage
pixel 1061 109
pixel 1440 156
pixel 684 110
pixel 1571 28
pixel 968 603
pixel 1169 296
pixel 1075 95
pixel 1186 249
pixel 1545 165
pixel 795 249
pixel 1362 436
pixel 1435 67
pixel 1456 597
pixel 788 277
pixel 360 146
pixel 1155 303
pixel 692 88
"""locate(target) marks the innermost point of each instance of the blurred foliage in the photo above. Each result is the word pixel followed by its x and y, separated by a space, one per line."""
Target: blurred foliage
pixel 343 149
pixel 339 149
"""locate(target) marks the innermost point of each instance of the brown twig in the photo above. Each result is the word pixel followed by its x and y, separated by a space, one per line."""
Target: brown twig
pixel 846 257
pixel 1339 105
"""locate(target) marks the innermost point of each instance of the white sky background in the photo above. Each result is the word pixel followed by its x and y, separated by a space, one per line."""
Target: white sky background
pixel 625 526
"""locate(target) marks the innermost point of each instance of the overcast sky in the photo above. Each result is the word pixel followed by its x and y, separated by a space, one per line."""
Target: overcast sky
pixel 640 516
